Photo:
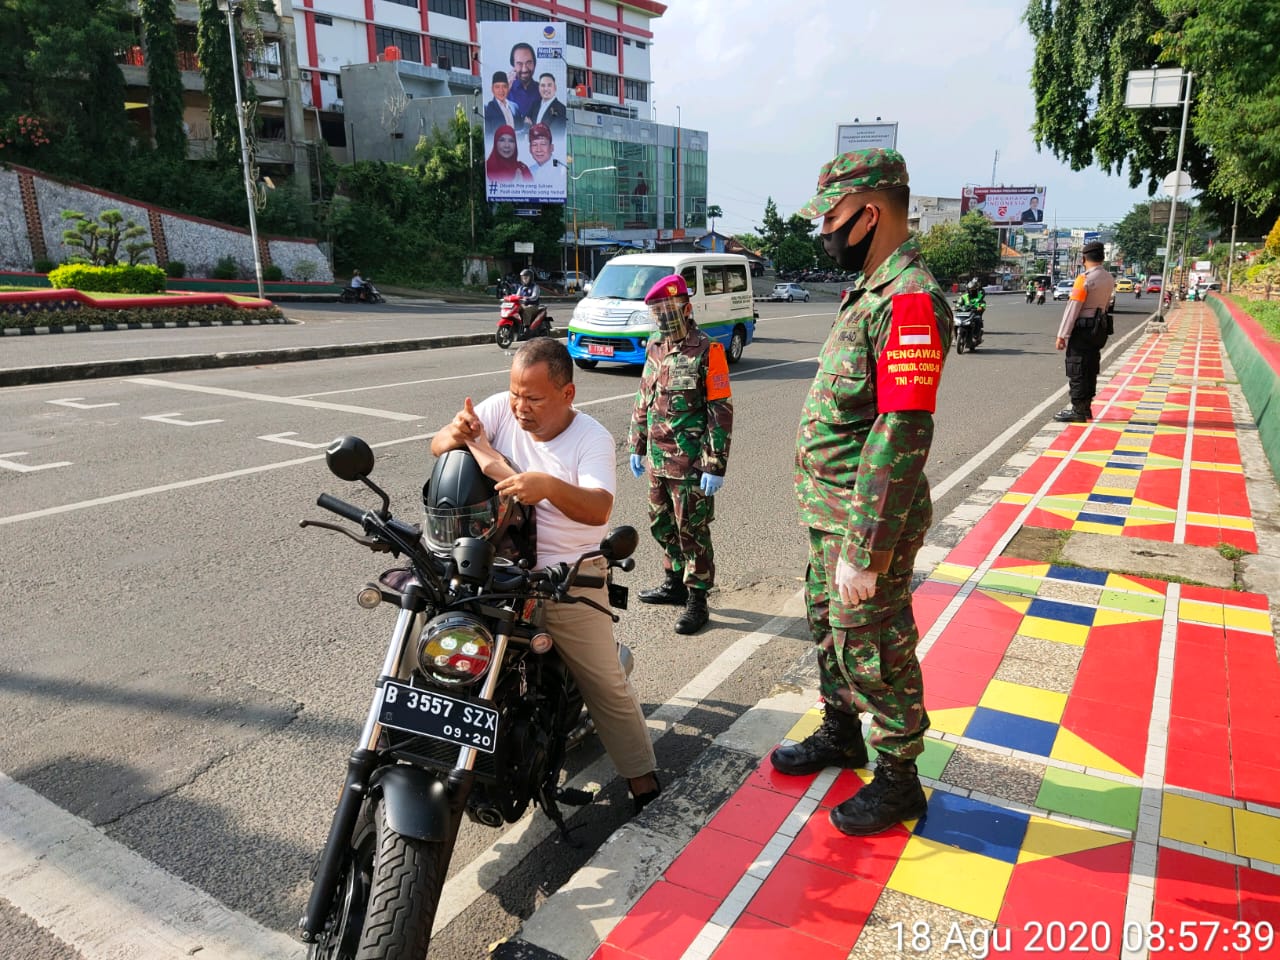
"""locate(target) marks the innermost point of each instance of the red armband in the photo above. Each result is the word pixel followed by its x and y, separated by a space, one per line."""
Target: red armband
pixel 909 368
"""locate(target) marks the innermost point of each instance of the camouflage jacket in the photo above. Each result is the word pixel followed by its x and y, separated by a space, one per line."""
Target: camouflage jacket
pixel 684 433
pixel 864 435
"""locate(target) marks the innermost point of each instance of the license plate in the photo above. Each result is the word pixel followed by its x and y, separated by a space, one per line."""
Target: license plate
pixel 600 349
pixel 431 714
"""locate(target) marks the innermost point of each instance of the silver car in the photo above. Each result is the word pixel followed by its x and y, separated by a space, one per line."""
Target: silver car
pixel 789 292
pixel 1062 289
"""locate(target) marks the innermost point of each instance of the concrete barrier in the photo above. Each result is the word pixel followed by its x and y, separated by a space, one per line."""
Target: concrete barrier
pixel 1256 359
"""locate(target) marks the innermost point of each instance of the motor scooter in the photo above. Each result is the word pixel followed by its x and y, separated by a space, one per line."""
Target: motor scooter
pixel 968 328
pixel 366 293
pixel 511 325
pixel 1040 295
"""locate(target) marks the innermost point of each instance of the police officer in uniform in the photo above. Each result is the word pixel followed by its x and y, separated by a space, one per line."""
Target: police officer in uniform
pixel 683 422
pixel 1083 333
pixel 864 437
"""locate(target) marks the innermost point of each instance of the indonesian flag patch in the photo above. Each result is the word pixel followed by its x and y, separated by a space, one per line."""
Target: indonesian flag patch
pixel 909 368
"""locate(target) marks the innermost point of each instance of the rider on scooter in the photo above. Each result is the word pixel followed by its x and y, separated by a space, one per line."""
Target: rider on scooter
pixel 974 299
pixel 530 300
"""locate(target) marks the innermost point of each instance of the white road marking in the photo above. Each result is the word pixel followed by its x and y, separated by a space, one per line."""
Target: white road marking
pixel 505 371
pixel 183 484
pixel 284 438
pixel 176 419
pixel 8 464
pixel 108 902
pixel 72 402
pixel 268 398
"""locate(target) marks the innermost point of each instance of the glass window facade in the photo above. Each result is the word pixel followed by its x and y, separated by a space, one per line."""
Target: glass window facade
pixel 488 10
pixel 457 55
pixel 604 43
pixel 575 35
pixel 637 90
pixel 409 44
pixel 604 83
pixel 448 8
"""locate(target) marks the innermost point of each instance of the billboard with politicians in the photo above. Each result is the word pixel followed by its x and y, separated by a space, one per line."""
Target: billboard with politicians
pixel 523 74
pixel 1005 206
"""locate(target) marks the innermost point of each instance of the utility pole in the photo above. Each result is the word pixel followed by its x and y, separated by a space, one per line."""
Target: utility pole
pixel 1231 254
pixel 232 7
pixel 994 161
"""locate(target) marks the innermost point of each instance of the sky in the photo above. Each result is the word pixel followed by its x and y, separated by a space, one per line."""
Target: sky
pixel 770 80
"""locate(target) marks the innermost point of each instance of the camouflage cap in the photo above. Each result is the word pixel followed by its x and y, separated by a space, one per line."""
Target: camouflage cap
pixel 855 172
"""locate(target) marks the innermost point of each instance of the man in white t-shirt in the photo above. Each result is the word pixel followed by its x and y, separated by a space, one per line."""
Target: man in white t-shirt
pixel 569 476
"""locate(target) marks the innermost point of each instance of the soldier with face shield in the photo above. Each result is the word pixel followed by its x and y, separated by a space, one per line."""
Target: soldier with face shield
pixel 681 427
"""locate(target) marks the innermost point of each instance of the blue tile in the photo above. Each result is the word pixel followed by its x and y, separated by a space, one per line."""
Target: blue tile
pixel 1061 610
pixel 1109 498
pixel 1115 521
pixel 1122 465
pixel 1078 574
pixel 1012 731
pixel 974 826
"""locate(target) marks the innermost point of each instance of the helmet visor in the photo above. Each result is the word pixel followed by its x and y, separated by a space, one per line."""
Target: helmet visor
pixel 444 525
pixel 668 316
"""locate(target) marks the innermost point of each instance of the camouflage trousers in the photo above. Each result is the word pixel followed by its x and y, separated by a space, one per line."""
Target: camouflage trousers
pixel 869 666
pixel 680 516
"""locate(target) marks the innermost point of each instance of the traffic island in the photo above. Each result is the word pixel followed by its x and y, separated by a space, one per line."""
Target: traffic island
pixel 78 311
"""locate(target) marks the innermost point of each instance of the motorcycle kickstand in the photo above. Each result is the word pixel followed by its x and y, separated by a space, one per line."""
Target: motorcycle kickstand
pixel 548 801
pixel 585 727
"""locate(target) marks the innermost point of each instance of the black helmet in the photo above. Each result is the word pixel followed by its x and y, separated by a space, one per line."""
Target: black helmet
pixel 526 275
pixel 974 285
pixel 460 501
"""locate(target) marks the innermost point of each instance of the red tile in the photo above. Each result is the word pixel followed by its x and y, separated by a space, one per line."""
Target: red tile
pixel 1260 748
pixel 1260 897
pixel 1253 601
pixel 815 901
pixel 1207 772
pixel 753 814
pixel 1036 901
pixel 935 588
pixel 663 922
pixel 952 658
pixel 1191 933
pixel 962 689
pixel 1160 532
pixel 1203 594
pixel 1257 782
pixel 1251 711
pixel 1190 882
pixel 985 638
pixel 1202 635
pixel 985 612
pixel 1106 867
pixel 713 863
pixel 607 951
pixel 1082 712
pixel 767 778
pixel 1048 521
pixel 870 859
pixel 755 939
pixel 1198 736
pixel 1126 749
pixel 845 785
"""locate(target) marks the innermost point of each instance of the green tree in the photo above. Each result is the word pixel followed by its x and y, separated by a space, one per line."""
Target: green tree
pixel 163 77
pixel 1084 52
pixel 1138 238
pixel 773 230
pixel 101 240
pixel 984 241
pixel 794 254
pixel 58 65
pixel 214 48
pixel 714 213
pixel 949 251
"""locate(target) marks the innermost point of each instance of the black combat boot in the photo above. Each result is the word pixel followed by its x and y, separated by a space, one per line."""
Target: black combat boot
pixel 695 614
pixel 836 743
pixel 671 590
pixel 1076 413
pixel 893 796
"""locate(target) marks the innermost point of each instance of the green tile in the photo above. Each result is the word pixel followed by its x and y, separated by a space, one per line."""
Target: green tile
pixel 935 757
pixel 1153 513
pixel 1090 798
pixel 1148 603
pixel 1012 582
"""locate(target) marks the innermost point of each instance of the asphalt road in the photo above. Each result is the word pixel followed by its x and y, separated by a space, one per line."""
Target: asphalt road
pixel 185 669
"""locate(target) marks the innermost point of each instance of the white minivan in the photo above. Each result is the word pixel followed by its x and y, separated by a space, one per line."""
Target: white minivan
pixel 612 322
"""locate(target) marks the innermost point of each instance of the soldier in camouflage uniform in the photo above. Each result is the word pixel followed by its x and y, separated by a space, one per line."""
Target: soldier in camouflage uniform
pixel 861 448
pixel 683 420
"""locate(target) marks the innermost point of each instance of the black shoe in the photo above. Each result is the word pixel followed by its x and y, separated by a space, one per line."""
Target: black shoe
pixel 641 800
pixel 836 743
pixel 893 796
pixel 672 590
pixel 1072 414
pixel 695 614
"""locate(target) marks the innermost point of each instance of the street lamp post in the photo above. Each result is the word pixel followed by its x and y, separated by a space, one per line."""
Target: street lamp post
pixel 573 189
pixel 230 7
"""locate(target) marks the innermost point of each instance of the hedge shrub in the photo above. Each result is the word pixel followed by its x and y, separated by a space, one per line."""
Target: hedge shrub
pixel 89 316
pixel 272 273
pixel 175 268
pixel 142 278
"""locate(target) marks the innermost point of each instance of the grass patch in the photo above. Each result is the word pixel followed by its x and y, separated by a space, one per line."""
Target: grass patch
pixel 1231 552
pixel 1266 312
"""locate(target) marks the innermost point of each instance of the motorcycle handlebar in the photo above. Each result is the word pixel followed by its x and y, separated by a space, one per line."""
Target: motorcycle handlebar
pixel 343 509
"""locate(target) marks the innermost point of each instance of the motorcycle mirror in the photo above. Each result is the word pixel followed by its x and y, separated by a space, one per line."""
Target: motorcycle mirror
pixel 349 458
pixel 620 543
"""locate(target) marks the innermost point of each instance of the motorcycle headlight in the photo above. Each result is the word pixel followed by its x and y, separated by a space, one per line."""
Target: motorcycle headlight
pixel 455 649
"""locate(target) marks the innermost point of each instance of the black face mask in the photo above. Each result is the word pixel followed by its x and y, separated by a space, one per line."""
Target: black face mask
pixel 836 245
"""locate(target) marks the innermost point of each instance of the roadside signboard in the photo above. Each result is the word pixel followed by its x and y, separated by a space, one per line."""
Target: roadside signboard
pixel 1005 206
pixel 861 136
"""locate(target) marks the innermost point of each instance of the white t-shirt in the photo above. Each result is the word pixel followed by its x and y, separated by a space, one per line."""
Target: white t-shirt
pixel 582 454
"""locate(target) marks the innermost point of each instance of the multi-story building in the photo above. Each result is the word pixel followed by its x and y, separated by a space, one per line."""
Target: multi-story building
pixel 368 78
pixel 927 212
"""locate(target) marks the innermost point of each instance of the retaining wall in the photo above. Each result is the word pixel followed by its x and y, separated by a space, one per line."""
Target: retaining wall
pixel 1256 359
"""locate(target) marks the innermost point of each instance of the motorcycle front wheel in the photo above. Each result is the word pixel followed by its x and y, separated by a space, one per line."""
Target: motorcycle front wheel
pixel 504 336
pixel 961 339
pixel 387 896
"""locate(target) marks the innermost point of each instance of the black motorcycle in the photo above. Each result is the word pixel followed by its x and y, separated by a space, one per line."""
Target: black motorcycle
pixel 367 293
pixel 968 328
pixel 471 715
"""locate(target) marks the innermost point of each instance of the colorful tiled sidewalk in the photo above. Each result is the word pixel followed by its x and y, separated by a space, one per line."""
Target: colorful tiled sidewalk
pixel 1104 761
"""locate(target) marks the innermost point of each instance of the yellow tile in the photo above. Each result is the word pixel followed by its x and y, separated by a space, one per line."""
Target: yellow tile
pixel 1197 611
pixel 951 720
pixel 1014 601
pixel 1197 822
pixel 805 725
pixel 964 881
pixel 1072 633
pixel 1254 621
pixel 1114 491
pixel 1234 523
pixel 1025 569
pixel 1117 581
pixel 1088 526
pixel 1052 838
pixel 1109 618
pixel 1257 836
pixel 1020 498
pixel 1071 748
pixel 1024 701
pixel 951 572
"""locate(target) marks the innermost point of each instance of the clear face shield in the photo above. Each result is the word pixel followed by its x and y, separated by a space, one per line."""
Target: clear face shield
pixel 670 315
pixel 444 525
